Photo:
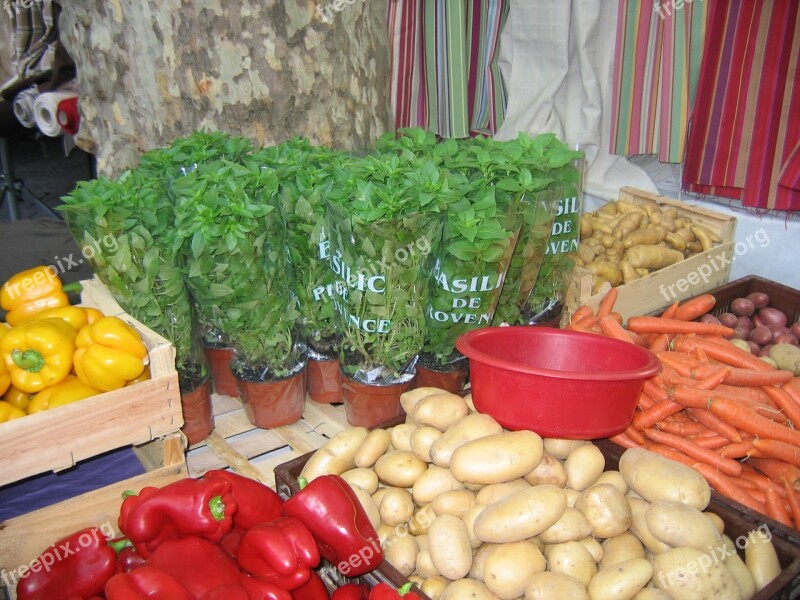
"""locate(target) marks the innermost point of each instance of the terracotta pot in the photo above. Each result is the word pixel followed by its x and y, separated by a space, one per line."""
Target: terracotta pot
pixel 367 405
pixel 274 403
pixel 324 381
pixel 449 379
pixel 219 363
pixel 198 414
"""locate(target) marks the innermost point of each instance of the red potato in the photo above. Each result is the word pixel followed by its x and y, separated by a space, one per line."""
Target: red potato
pixel 709 318
pixel 772 316
pixel 765 350
pixel 755 349
pixel 741 333
pixel 761 335
pixel 759 299
pixel 743 307
pixel 744 323
pixel 757 322
pixel 786 338
pixel 728 319
pixel 795 330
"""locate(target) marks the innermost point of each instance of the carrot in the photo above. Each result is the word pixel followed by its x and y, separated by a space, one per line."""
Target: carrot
pixel 669 313
pixel 777 470
pixel 639 340
pixel 785 402
pixel 792 388
pixel 660 342
pixel 794 502
pixel 745 420
pixel 755 394
pixel 714 423
pixel 713 379
pixel 621 439
pixel 607 303
pixel 682 427
pixel 635 435
pixel 737 449
pixel 645 401
pixel 721 350
pixel 581 312
pixel 728 487
pixel 588 321
pixel 691 448
pixel 780 450
pixel 582 329
pixel 692 397
pixel 654 391
pixel 671 453
pixel 757 378
pixel 695 308
pixel 759 479
pixel 649 417
pixel 617 317
pixel 681 364
pixel 712 442
pixel 612 329
pixel 775 507
pixel 661 325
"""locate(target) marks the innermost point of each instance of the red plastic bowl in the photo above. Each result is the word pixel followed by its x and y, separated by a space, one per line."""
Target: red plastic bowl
pixel 558 383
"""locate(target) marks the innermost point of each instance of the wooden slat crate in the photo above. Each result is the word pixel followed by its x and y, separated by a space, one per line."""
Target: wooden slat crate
pixel 680 281
pixel 57 439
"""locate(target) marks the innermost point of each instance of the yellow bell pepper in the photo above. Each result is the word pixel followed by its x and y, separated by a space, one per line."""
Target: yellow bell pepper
pixel 74 315
pixel 28 292
pixel 5 378
pixel 9 412
pixel 143 377
pixel 110 353
pixel 38 354
pixel 17 398
pixel 68 391
pixel 92 314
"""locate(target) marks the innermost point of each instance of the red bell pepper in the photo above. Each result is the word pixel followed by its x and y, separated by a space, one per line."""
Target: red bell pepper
pixel 128 558
pixel 231 540
pixel 197 563
pixel 258 589
pixel 146 583
pixel 330 509
pixel 77 565
pixel 255 502
pixel 313 589
pixel 351 591
pixel 226 592
pixel 384 591
pixel 187 507
pixel 281 552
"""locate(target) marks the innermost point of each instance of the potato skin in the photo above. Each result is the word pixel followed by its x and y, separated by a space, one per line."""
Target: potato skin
pixel 654 477
pixel 621 581
pixel 521 515
pixel 401 552
pixel 422 438
pixel 573 559
pixel 471 427
pixel 400 468
pixel 620 548
pixel 337 455
pixel 550 585
pixel 583 466
pixel 508 567
pixel 497 458
pixel 606 510
pixel 677 524
pixel 570 527
pixel 440 410
pixel 434 481
pixel 372 448
pixel 448 543
pixel 687 573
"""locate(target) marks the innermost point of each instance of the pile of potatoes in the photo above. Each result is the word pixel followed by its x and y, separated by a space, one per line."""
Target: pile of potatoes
pixel 622 241
pixel 466 509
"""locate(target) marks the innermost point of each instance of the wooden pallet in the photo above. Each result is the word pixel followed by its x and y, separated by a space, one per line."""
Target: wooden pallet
pixel 237 444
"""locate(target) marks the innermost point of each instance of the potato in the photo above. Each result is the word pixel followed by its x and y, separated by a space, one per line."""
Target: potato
pixel 628 224
pixel 469 520
pixel 434 587
pixel 583 466
pixel 677 524
pixel 400 436
pixel 521 515
pixel 571 558
pixel 489 494
pixel 761 558
pixel 654 477
pixel 718 522
pixel 424 565
pixel 466 589
pixel 449 545
pixel 440 410
pixel 615 478
pixel 369 506
pixel 606 510
pixel 471 427
pixel 619 548
pixel 738 568
pixel 363 478
pixel 651 593
pixel 396 507
pixel 572 496
pixel 479 560
pixel 550 585
pixel 688 573
pixel 497 458
pixel 621 581
pixel 606 270
pixel 409 399
pixel 422 439
pixel 454 502
pixel 570 527
pixel 420 521
pixel 645 237
pixel 549 470
pixel 337 455
pixel 508 567
pixel 434 481
pixel 786 357
pixel 652 257
pixel 400 468
pixel 593 547
pixel 639 526
pixel 401 552
pixel 372 448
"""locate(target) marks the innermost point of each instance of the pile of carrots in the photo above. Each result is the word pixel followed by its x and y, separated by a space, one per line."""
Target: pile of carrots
pixel 713 406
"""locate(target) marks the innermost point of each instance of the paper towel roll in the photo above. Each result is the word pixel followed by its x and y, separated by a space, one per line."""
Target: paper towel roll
pixel 23 106
pixel 45 110
pixel 68 116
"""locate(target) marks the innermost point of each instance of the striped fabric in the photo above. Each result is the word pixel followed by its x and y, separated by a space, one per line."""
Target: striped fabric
pixel 656 67
pixel 444 65
pixel 35 30
pixel 743 140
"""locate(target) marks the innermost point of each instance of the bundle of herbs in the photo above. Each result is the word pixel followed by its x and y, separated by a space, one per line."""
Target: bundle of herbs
pixel 126 223
pixel 385 216
pixel 233 241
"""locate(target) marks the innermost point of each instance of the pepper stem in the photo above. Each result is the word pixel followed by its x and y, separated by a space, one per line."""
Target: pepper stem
pixel 128 493
pixel 119 545
pixel 72 287
pixel 30 360
pixel 217 508
pixel 402 591
pixel 302 482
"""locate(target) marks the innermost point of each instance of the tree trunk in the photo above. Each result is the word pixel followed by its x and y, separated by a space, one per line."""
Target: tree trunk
pixel 154 70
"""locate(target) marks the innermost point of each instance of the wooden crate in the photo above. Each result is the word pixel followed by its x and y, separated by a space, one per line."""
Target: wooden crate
pixel 57 439
pixel 24 538
pixel 680 281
